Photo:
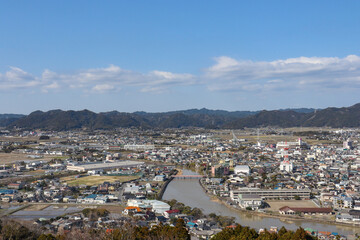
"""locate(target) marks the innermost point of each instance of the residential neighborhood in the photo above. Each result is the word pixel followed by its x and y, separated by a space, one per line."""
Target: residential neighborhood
pixel 52 178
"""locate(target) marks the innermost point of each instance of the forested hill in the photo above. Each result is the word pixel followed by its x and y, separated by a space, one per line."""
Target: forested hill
pixel 7 119
pixel 58 120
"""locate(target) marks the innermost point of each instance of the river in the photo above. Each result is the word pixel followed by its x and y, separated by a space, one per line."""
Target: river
pixel 191 194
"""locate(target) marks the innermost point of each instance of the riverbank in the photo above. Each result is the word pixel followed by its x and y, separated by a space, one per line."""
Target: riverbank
pixel 191 193
pixel 222 201
pixel 164 186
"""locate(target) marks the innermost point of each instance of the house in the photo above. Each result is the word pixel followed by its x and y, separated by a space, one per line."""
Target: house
pixel 205 234
pixel 68 199
pixel 6 198
pixel 161 219
pixel 357 206
pixel 171 213
pixel 355 214
pixel 95 172
pixel 131 189
pixel 131 209
pixel 191 225
pixel 16 186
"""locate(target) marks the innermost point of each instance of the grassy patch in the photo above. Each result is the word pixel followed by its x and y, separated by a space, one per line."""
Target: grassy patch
pixel 37 172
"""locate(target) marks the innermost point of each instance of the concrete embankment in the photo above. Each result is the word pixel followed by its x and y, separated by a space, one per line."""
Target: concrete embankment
pixel 164 186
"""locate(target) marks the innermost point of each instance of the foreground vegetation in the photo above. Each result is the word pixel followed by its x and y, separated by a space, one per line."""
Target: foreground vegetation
pixel 11 230
pixel 246 233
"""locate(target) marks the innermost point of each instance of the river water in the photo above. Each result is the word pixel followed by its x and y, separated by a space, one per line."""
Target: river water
pixel 191 194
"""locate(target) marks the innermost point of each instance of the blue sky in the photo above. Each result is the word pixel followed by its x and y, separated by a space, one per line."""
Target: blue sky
pixel 171 55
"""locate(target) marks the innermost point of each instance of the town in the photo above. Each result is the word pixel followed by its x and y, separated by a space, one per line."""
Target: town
pixel 102 179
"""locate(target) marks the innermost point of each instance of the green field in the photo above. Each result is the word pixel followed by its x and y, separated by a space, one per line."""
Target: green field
pixel 95 180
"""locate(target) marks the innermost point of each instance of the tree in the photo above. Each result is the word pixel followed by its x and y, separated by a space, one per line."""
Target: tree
pixel 46 237
pixel 267 236
pixel 196 212
pixel 15 231
pixel 93 214
pixel 172 202
pixel 301 234
pixel 282 231
pixel 212 215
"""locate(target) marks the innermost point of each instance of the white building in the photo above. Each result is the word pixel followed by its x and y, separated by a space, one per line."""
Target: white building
pixel 242 169
pixel 253 201
pixel 287 166
pixel 93 199
pixel 299 143
pixel 156 205
pixel 348 144
pixel 159 178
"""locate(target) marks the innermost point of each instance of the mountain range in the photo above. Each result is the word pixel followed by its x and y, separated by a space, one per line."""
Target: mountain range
pixel 58 120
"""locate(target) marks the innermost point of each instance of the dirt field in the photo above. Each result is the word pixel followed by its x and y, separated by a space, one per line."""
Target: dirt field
pixel 276 205
pixel 95 180
pixel 19 139
pixel 8 158
pixel 113 209
pixel 36 207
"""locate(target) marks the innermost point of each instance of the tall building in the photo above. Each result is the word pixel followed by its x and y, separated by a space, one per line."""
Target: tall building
pixel 348 144
pixel 287 166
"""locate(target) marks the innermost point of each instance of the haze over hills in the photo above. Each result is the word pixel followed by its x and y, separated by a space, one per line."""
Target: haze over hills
pixel 58 120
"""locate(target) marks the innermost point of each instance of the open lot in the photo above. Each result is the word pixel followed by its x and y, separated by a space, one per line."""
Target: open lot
pixel 276 205
pixel 36 207
pixel 112 208
pixel 95 180
pixel 8 158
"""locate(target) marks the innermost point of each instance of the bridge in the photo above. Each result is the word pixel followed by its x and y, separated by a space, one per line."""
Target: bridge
pixel 188 176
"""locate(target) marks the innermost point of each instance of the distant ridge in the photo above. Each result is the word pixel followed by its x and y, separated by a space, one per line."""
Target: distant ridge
pixel 58 120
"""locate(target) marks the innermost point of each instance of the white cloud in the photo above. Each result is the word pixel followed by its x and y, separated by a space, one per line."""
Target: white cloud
pixel 100 80
pixel 51 86
pixel 103 88
pixel 150 89
pixel 230 74
pixel 227 74
pixel 17 78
